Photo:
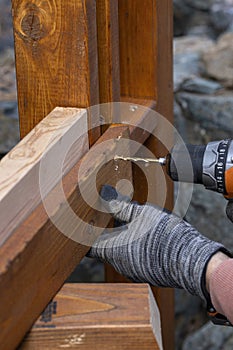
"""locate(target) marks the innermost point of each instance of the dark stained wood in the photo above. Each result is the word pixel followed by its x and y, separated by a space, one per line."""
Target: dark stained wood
pixel 108 58
pixel 56 58
pixel 108 50
pixel 146 72
pixel 101 317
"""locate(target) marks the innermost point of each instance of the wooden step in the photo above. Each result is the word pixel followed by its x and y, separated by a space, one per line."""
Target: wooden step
pixel 100 317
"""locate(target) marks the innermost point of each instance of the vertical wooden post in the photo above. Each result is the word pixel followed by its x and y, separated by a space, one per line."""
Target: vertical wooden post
pixel 56 58
pixel 109 61
pixel 146 72
pixel 108 50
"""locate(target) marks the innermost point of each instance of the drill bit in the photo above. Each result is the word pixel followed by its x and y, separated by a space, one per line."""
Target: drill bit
pixel 161 161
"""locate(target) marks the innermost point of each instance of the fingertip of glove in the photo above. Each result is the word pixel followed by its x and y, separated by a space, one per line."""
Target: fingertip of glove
pixel 108 193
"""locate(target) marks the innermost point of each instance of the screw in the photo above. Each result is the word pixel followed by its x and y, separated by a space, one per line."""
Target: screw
pixel 102 120
pixel 133 108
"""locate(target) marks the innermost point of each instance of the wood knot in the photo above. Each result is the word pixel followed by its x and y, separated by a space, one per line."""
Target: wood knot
pixel 35 20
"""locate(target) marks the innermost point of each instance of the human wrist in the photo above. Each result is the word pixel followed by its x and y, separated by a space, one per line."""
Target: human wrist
pixel 214 262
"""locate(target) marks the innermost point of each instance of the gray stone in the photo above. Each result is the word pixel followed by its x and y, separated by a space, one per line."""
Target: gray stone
pixel 209 337
pixel 190 315
pixel 199 4
pixel 219 60
pixel 187 58
pixel 211 111
pixel 182 15
pixel 9 133
pixel 201 85
pixel 207 212
pixel 186 66
pixel 221 15
pixel 9 109
pixel 192 44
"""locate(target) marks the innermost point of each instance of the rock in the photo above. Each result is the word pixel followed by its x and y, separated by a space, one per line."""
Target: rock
pixel 187 58
pixel 9 133
pixel 221 15
pixel 209 337
pixel 182 14
pixel 201 85
pixel 186 66
pixel 192 44
pixel 199 4
pixel 207 212
pixel 6 29
pixel 190 315
pixel 210 111
pixel 218 60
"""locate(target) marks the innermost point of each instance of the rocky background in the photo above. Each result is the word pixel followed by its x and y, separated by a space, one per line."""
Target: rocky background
pixel 203 109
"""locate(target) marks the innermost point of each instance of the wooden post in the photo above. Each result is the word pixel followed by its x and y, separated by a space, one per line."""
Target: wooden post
pixel 108 50
pixel 146 72
pixel 109 60
pixel 56 58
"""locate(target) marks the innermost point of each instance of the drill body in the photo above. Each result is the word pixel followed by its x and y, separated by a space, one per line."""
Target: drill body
pixel 210 165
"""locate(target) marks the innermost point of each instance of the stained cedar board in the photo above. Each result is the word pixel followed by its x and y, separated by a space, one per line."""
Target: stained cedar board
pixel 56 58
pixel 146 36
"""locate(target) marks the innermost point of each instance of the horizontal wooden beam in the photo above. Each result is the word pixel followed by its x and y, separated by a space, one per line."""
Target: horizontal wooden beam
pixel 43 149
pixel 100 317
pixel 40 254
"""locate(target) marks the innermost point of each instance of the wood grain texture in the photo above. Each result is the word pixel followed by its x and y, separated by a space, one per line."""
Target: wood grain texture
pixel 146 71
pixel 138 48
pixel 43 149
pixel 108 50
pixel 56 58
pixel 108 58
pixel 100 317
pixel 37 257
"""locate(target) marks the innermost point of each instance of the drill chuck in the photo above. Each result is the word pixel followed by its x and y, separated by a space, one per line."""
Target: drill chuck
pixel 210 165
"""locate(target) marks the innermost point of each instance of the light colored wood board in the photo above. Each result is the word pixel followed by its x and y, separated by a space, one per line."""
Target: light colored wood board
pixel 98 316
pixel 56 58
pixel 38 246
pixel 38 163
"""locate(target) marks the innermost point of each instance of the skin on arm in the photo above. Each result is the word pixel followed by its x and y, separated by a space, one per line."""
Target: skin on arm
pixel 213 264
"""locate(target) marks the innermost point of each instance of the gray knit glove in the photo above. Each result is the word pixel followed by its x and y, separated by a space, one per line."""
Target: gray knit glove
pixel 153 246
pixel 229 210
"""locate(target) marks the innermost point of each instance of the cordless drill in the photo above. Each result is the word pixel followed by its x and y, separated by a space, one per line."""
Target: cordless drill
pixel 210 165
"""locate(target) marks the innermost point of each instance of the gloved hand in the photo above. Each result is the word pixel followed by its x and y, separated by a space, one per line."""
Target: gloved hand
pixel 229 210
pixel 153 246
